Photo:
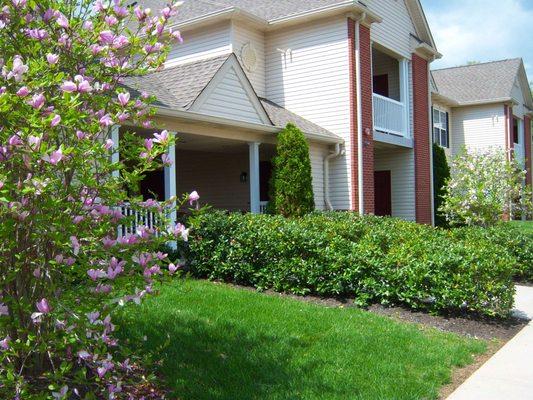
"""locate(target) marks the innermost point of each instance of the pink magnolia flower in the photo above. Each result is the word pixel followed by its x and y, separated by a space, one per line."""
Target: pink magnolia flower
pixel 106 121
pixel 69 87
pixel 43 306
pixel 167 161
pixel 52 58
pixel 19 69
pixel 84 86
pixel 39 34
pixel 88 25
pixel 176 35
pixel 123 117
pixel 4 343
pixel 124 98
pixel 93 316
pixel 54 158
pixel 172 268
pixel 48 15
pixel 1 184
pixel 193 197
pixel 4 310
pixel 110 20
pixel 23 91
pixel 55 120
pixel 107 37
pixel 148 144
pixel 109 144
pixel 108 242
pixel 37 101
pixel 95 274
pixel 120 11
pixel 19 3
pixel 84 355
pixel 34 142
pixel 61 20
pixel 162 137
pixel 15 140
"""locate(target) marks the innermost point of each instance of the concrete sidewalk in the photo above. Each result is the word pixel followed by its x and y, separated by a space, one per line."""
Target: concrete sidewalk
pixel 508 375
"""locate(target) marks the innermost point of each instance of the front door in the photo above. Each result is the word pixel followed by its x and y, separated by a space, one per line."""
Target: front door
pixel 383 193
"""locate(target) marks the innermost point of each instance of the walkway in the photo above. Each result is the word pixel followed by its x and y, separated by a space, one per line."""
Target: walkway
pixel 508 375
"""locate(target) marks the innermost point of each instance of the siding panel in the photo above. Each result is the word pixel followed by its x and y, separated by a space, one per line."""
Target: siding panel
pixel 307 71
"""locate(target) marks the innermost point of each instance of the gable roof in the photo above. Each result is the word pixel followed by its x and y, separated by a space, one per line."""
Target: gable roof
pixel 479 83
pixel 182 87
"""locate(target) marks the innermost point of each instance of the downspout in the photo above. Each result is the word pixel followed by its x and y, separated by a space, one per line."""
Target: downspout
pixel 360 176
pixel 335 154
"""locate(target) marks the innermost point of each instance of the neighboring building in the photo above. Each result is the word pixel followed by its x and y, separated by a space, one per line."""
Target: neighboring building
pixel 484 105
pixel 354 77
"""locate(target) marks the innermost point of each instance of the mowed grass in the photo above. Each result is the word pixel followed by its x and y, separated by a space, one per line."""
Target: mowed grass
pixel 218 342
pixel 524 226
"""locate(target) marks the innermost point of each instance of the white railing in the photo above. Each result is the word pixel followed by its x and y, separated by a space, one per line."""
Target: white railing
pixel 389 116
pixel 263 207
pixel 138 218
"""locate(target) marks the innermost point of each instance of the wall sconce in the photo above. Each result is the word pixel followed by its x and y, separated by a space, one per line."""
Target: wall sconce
pixel 244 177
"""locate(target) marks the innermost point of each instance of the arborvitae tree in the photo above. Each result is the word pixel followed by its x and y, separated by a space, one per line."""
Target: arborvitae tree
pixel 291 188
pixel 441 173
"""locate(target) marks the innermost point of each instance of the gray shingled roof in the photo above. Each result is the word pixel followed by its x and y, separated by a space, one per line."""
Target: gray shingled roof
pixel 179 86
pixel 478 82
pixel 281 117
pixel 267 10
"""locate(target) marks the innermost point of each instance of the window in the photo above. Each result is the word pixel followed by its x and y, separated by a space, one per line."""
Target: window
pixel 440 128
pixel 516 137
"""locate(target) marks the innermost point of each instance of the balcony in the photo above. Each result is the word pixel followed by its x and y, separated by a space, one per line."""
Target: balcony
pixel 389 116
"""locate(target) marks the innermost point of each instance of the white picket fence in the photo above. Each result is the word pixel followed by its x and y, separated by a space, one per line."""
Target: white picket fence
pixel 136 219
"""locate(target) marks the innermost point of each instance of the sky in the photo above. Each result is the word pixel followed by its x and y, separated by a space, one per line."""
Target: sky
pixel 481 30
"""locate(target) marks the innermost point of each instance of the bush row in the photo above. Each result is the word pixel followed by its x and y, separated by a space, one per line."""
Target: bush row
pixel 371 259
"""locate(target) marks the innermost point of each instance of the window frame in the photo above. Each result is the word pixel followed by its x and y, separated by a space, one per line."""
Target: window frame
pixel 441 126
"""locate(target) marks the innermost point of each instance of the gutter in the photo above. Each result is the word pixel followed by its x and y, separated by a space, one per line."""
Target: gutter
pixel 335 154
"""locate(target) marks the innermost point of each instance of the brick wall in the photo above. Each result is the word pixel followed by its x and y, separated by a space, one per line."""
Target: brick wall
pixel 423 195
pixel 366 120
pixel 527 130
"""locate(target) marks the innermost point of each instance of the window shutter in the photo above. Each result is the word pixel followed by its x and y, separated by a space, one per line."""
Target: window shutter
pixel 447 129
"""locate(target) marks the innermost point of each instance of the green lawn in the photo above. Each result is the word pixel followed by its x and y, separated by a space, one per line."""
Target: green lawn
pixel 217 342
pixel 526 227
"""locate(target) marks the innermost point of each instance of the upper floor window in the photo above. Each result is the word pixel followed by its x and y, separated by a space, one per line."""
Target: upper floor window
pixel 441 127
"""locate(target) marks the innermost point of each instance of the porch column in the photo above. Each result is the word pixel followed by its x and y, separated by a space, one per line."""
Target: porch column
pixel 404 95
pixel 255 194
pixel 115 157
pixel 170 177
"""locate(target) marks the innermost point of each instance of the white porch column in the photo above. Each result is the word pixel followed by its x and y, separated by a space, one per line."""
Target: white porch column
pixel 115 157
pixel 405 95
pixel 255 194
pixel 170 176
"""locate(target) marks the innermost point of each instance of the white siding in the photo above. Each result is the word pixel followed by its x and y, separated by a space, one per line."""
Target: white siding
pixel 241 35
pixel 201 44
pixel 311 78
pixel 394 32
pixel 230 100
pixel 478 127
pixel 216 178
pixel 317 153
pixel 401 163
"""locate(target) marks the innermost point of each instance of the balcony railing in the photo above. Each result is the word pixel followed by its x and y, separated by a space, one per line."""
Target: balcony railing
pixel 389 116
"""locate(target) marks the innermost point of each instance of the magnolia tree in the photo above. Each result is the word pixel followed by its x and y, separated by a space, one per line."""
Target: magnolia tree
pixel 64 270
pixel 484 187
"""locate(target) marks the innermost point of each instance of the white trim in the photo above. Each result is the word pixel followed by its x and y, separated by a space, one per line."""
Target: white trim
pixel 171 183
pixel 405 95
pixel 255 193
pixel 431 172
pixel 360 147
pixel 234 65
pixel 115 157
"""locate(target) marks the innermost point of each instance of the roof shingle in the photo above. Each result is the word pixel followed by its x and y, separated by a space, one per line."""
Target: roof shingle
pixel 478 82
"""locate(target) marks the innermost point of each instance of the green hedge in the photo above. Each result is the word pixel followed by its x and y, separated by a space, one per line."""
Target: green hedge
pixel 341 254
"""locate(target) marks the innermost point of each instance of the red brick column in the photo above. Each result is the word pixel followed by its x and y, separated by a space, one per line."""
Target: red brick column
pixel 423 195
pixel 366 116
pixel 527 134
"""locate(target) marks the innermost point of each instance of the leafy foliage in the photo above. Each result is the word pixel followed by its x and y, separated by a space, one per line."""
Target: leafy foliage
pixel 485 186
pixel 441 174
pixel 368 258
pixel 63 270
pixel 291 184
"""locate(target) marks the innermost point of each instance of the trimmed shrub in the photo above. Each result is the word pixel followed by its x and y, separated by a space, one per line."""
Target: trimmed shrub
pixel 441 173
pixel 291 186
pixel 371 259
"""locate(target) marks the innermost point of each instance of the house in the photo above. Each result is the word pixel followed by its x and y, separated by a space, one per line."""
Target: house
pixel 353 76
pixel 484 105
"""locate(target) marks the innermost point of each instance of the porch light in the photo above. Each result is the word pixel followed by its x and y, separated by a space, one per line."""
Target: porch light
pixel 244 177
